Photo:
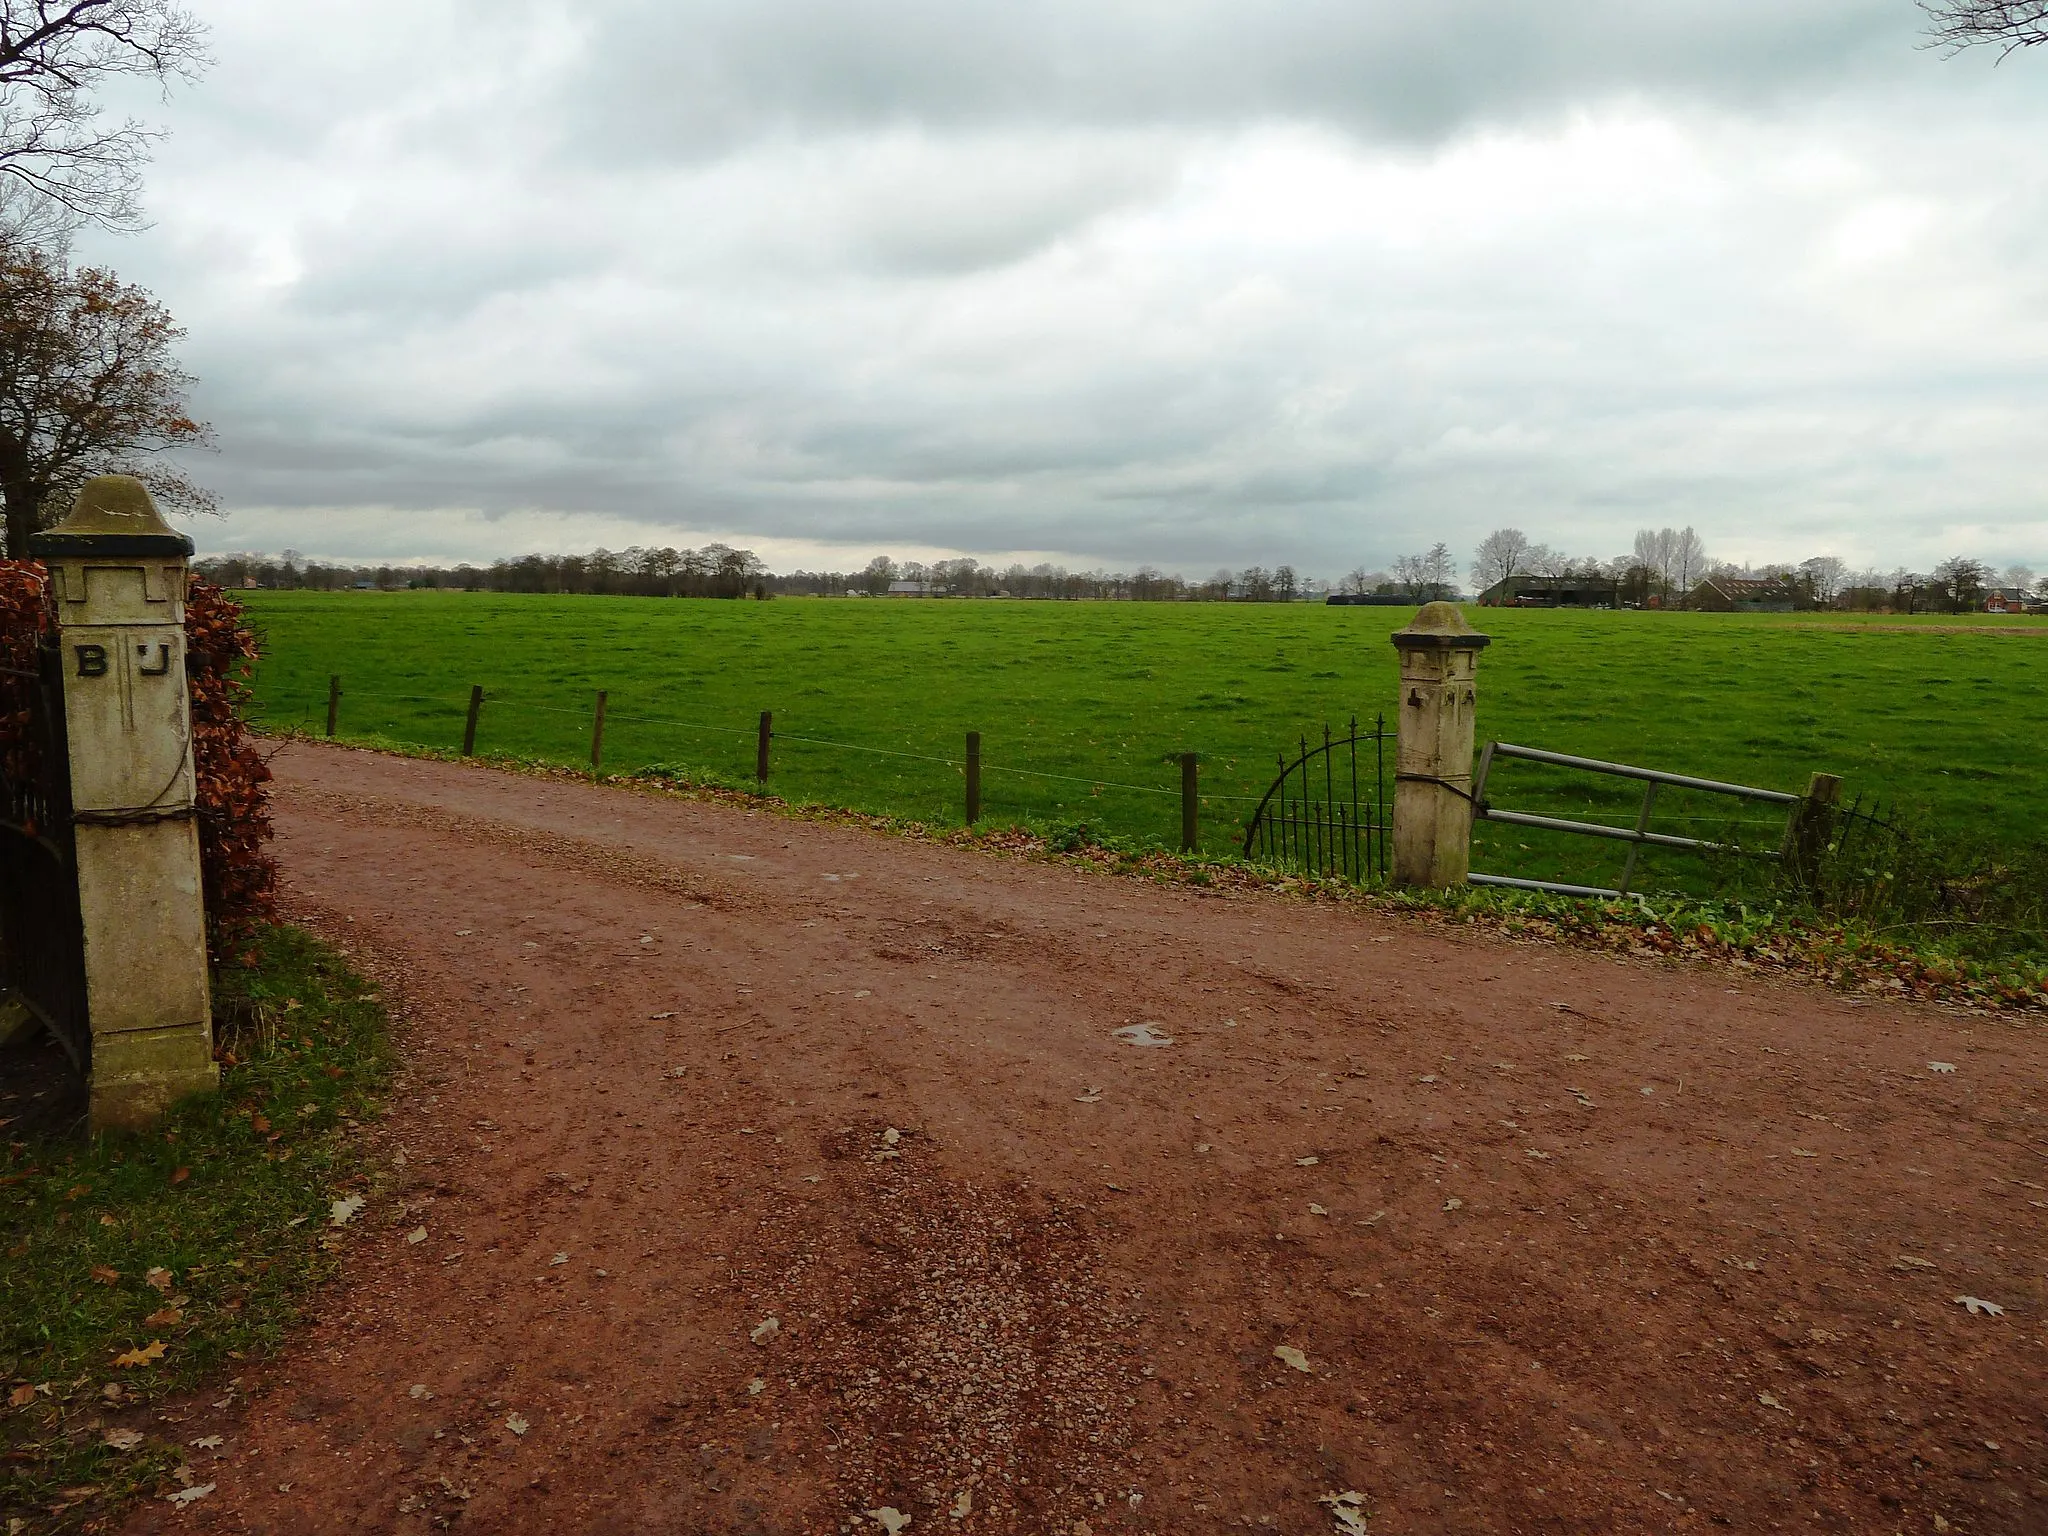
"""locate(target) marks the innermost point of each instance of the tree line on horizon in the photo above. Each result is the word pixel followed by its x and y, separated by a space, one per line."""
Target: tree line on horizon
pixel 1661 569
pixel 718 570
pixel 1664 566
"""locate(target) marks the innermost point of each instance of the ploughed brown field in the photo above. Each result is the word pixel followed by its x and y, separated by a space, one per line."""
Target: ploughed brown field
pixel 778 1177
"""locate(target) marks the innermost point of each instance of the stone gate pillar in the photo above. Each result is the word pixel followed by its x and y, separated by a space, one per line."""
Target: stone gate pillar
pixel 1433 751
pixel 118 574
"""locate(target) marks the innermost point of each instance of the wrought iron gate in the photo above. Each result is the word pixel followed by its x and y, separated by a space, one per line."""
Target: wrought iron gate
pixel 1327 812
pixel 42 937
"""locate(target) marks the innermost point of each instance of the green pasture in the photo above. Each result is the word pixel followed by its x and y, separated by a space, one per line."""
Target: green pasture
pixel 1948 718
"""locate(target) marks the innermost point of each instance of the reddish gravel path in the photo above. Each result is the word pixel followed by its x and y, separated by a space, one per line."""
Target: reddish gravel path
pixel 1565 1243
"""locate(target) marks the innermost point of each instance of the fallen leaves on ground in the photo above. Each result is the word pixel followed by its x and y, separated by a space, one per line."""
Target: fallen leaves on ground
pixel 1977 1306
pixel 1142 1034
pixel 1287 1354
pixel 516 1424
pixel 158 1278
pixel 164 1317
pixel 121 1439
pixel 105 1274
pixel 890 1519
pixel 190 1495
pixel 344 1210
pixel 765 1330
pixel 1348 1510
pixel 1941 1066
pixel 148 1354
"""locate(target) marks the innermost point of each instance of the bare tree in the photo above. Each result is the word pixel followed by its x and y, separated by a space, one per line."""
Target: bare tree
pixel 1688 558
pixel 1828 574
pixel 61 164
pixel 2006 25
pixel 1500 555
pixel 2021 576
pixel 1439 571
pixel 1653 553
pixel 88 386
pixel 1961 580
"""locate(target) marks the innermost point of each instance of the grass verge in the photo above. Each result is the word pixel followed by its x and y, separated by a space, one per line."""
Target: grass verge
pixel 137 1267
pixel 1750 932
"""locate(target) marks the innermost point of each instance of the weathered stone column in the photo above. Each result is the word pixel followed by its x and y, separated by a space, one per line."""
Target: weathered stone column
pixel 1433 752
pixel 118 573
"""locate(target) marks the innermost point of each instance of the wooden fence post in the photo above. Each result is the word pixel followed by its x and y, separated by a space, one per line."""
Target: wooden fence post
pixel 1190 803
pixel 333 703
pixel 1812 824
pixel 761 749
pixel 973 777
pixel 597 735
pixel 476 704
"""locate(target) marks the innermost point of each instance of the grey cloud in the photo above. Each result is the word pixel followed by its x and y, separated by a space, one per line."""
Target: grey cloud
pixel 660 78
pixel 1128 282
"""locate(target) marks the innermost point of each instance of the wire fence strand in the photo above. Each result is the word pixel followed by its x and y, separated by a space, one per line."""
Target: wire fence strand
pixel 612 715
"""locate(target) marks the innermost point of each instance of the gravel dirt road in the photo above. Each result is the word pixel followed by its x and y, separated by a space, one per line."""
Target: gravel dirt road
pixel 773 1174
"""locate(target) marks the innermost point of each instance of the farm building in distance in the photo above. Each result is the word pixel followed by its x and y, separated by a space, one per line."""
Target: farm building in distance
pixel 1553 592
pixel 1744 594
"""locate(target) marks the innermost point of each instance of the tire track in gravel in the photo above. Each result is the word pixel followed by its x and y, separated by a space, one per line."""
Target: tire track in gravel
pixel 1566 1242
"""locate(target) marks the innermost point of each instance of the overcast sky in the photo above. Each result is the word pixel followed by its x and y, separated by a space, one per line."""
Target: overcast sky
pixel 1108 281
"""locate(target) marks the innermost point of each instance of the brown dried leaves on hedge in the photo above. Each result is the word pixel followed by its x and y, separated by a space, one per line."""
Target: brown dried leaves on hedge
pixel 238 874
pixel 25 622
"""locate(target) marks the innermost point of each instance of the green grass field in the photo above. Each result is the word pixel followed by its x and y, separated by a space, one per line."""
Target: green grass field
pixel 1947 717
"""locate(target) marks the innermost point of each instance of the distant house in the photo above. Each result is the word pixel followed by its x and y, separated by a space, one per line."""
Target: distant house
pixel 910 589
pixel 1744 594
pixel 2006 600
pixel 1371 600
pixel 1553 592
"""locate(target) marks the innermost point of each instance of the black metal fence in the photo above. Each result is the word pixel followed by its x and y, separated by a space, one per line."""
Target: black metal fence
pixel 1327 813
pixel 42 937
